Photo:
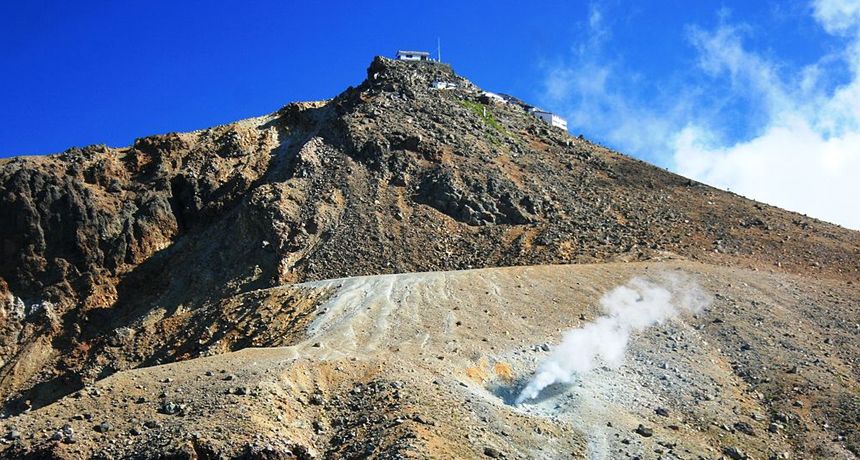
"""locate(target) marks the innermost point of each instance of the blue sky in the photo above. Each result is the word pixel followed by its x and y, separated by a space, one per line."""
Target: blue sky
pixel 757 97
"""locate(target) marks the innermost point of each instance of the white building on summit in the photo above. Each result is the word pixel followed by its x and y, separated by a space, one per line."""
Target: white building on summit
pixel 549 117
pixel 487 97
pixel 413 56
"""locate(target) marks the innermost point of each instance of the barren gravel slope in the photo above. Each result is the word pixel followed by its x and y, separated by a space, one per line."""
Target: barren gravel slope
pixel 424 365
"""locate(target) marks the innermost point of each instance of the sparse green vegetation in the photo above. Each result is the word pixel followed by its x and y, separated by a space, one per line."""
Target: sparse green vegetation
pixel 487 115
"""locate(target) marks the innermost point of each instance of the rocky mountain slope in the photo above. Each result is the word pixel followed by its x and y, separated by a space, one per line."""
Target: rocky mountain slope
pixel 189 245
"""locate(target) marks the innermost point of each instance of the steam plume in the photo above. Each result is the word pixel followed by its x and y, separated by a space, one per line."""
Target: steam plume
pixel 633 307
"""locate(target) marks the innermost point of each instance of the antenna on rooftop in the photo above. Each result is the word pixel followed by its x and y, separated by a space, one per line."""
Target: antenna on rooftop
pixel 438 49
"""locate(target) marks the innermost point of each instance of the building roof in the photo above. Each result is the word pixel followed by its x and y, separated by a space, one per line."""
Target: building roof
pixel 514 100
pixel 419 53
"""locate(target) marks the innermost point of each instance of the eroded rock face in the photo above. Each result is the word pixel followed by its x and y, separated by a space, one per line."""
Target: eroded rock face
pixel 494 201
pixel 93 228
pixel 389 176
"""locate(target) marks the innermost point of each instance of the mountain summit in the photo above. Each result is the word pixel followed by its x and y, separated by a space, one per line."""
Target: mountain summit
pixel 185 248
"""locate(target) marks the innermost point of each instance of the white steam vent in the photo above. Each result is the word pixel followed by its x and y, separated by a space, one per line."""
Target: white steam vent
pixel 633 307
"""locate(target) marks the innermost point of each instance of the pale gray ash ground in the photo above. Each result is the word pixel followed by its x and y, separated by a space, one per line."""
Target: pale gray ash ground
pixel 379 275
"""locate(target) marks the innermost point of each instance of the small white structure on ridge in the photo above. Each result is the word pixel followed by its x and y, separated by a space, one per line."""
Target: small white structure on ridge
pixel 413 56
pixel 495 98
pixel 549 117
pixel 439 84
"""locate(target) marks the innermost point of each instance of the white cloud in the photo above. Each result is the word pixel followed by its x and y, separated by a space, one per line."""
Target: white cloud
pixel 790 165
pixel 806 157
pixel 799 132
pixel 751 76
pixel 592 89
pixel 837 16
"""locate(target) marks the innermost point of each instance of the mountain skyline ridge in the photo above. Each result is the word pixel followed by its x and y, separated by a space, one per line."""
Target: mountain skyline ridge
pixel 751 98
